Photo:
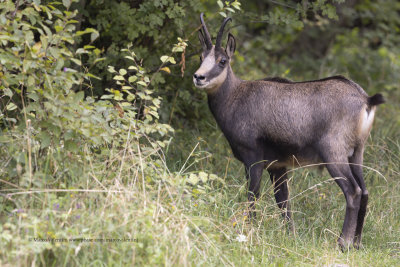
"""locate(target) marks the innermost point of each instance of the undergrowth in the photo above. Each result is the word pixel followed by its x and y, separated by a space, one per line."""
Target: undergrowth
pixel 102 182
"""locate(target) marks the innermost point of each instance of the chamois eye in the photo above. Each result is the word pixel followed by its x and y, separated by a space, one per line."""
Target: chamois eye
pixel 222 62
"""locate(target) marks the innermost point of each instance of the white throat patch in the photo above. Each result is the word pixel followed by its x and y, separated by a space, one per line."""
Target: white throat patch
pixel 216 82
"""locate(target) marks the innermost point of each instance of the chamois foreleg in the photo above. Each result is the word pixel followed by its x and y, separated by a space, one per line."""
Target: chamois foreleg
pixel 254 172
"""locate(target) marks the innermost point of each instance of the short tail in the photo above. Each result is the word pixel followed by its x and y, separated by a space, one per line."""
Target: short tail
pixel 376 100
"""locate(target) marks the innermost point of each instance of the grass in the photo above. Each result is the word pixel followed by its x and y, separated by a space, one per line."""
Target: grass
pixel 143 208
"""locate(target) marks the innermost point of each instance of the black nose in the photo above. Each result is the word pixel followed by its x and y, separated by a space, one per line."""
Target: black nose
pixel 199 77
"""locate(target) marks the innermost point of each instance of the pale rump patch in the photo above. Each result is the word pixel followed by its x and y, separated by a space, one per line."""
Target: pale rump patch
pixel 366 120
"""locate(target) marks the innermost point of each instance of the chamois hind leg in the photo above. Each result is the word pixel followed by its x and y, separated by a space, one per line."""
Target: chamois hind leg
pixel 339 169
pixel 356 161
pixel 281 192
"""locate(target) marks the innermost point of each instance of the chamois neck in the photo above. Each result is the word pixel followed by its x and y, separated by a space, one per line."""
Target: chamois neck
pixel 218 99
pixel 229 85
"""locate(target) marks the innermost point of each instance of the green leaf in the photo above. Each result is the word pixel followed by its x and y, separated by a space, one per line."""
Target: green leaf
pixel 130 97
pixel 131 58
pixel 132 79
pixel 223 14
pixel 236 5
pixel 99 59
pixel 71 145
pixel 33 96
pixel 81 51
pixel 122 72
pixel 76 61
pixel 31 80
pixel 11 106
pixel 69 135
pixel 58 28
pixel 66 3
pixel 94 36
pixel 48 31
pixel 92 76
pixel 119 78
pixel 55 52
pixel 78 97
pixel 44 138
pixel 106 97
pixel 72 21
pixel 111 69
pixel 8 92
pixel 164 59
pixel 142 83
pixel 220 4
pixel 177 49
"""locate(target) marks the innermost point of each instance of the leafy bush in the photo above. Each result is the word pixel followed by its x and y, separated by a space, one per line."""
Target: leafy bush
pixel 44 113
pixel 88 172
pixel 45 110
pixel 66 154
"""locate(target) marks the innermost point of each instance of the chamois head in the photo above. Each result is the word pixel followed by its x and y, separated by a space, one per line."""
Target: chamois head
pixel 215 60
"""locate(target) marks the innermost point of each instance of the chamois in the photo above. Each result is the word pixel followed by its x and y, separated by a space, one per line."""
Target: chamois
pixel 277 123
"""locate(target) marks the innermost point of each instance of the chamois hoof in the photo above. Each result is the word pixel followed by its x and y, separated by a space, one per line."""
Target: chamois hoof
pixel 344 245
pixel 252 214
pixel 357 243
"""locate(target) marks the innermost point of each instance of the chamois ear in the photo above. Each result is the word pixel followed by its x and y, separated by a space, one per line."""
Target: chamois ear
pixel 202 41
pixel 230 45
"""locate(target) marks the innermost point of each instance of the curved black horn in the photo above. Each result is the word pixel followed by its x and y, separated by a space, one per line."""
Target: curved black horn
pixel 206 33
pixel 221 32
